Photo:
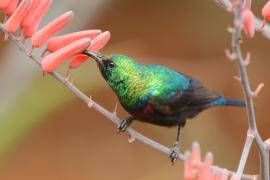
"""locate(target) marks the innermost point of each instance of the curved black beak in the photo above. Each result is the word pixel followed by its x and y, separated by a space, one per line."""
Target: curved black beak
pixel 99 58
pixel 96 56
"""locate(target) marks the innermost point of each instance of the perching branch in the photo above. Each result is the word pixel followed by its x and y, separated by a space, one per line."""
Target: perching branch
pixel 110 115
pixel 249 95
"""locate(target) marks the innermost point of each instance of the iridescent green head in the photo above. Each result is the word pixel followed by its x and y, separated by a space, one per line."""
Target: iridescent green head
pixel 116 69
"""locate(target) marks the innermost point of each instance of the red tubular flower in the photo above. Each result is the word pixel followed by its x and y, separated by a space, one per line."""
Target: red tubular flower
pixel 188 169
pixel 4 3
pixel 37 16
pixel 40 37
pixel 248 22
pixel 196 155
pixel 13 23
pixel 206 171
pixel 77 61
pixel 266 11
pixel 98 43
pixel 52 61
pixel 28 18
pixel 60 41
pixel 11 7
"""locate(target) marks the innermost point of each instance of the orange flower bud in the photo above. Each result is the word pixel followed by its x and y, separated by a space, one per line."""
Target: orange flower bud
pixel 52 61
pixel 60 41
pixel 13 23
pixel 40 37
pixel 248 22
pixel 37 16
pixel 28 18
pixel 4 3
pixel 97 43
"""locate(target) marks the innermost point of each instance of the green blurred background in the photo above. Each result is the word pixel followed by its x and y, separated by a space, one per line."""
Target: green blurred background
pixel 48 133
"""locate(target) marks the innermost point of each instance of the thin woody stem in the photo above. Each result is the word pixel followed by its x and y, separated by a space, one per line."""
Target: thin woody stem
pixel 249 94
pixel 110 115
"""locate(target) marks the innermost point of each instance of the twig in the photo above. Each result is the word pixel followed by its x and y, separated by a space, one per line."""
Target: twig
pixel 227 5
pixel 249 95
pixel 249 140
pixel 111 116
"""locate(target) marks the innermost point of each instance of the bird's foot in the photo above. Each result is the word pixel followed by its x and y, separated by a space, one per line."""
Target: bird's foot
pixel 122 127
pixel 174 153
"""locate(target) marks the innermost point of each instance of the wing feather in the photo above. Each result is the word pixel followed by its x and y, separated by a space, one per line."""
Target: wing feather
pixel 184 101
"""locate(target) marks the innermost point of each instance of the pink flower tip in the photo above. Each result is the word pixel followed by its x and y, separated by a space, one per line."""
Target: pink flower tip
pixel 248 22
pixel 100 41
pixel 266 11
pixel 97 44
pixel 4 3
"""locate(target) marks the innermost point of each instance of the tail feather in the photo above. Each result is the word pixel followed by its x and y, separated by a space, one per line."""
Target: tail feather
pixel 224 101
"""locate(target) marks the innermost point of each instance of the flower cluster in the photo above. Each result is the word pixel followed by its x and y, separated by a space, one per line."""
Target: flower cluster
pixel 24 18
pixel 195 169
pixel 249 20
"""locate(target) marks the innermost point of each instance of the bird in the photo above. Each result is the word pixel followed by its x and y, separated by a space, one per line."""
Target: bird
pixel 156 94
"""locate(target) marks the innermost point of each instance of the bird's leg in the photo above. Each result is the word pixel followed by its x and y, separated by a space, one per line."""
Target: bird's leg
pixel 122 127
pixel 175 148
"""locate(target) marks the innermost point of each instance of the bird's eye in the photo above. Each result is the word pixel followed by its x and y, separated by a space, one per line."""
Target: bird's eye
pixel 111 65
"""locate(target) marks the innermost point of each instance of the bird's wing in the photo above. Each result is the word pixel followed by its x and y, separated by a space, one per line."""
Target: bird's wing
pixel 196 96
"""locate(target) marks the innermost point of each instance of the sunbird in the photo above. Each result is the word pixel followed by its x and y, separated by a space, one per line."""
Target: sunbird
pixel 156 94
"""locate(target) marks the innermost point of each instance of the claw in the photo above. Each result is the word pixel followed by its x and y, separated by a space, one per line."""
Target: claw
pixel 174 154
pixel 122 127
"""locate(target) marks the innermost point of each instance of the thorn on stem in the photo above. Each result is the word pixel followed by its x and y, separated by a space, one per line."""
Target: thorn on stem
pixel 237 78
pixel 230 55
pixel 67 77
pixel 115 109
pixel 230 29
pixel 44 73
pixel 247 59
pixel 257 90
pixel 20 35
pixel 237 23
pixel 267 142
pixel 6 36
pixel 131 139
pixel 90 102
